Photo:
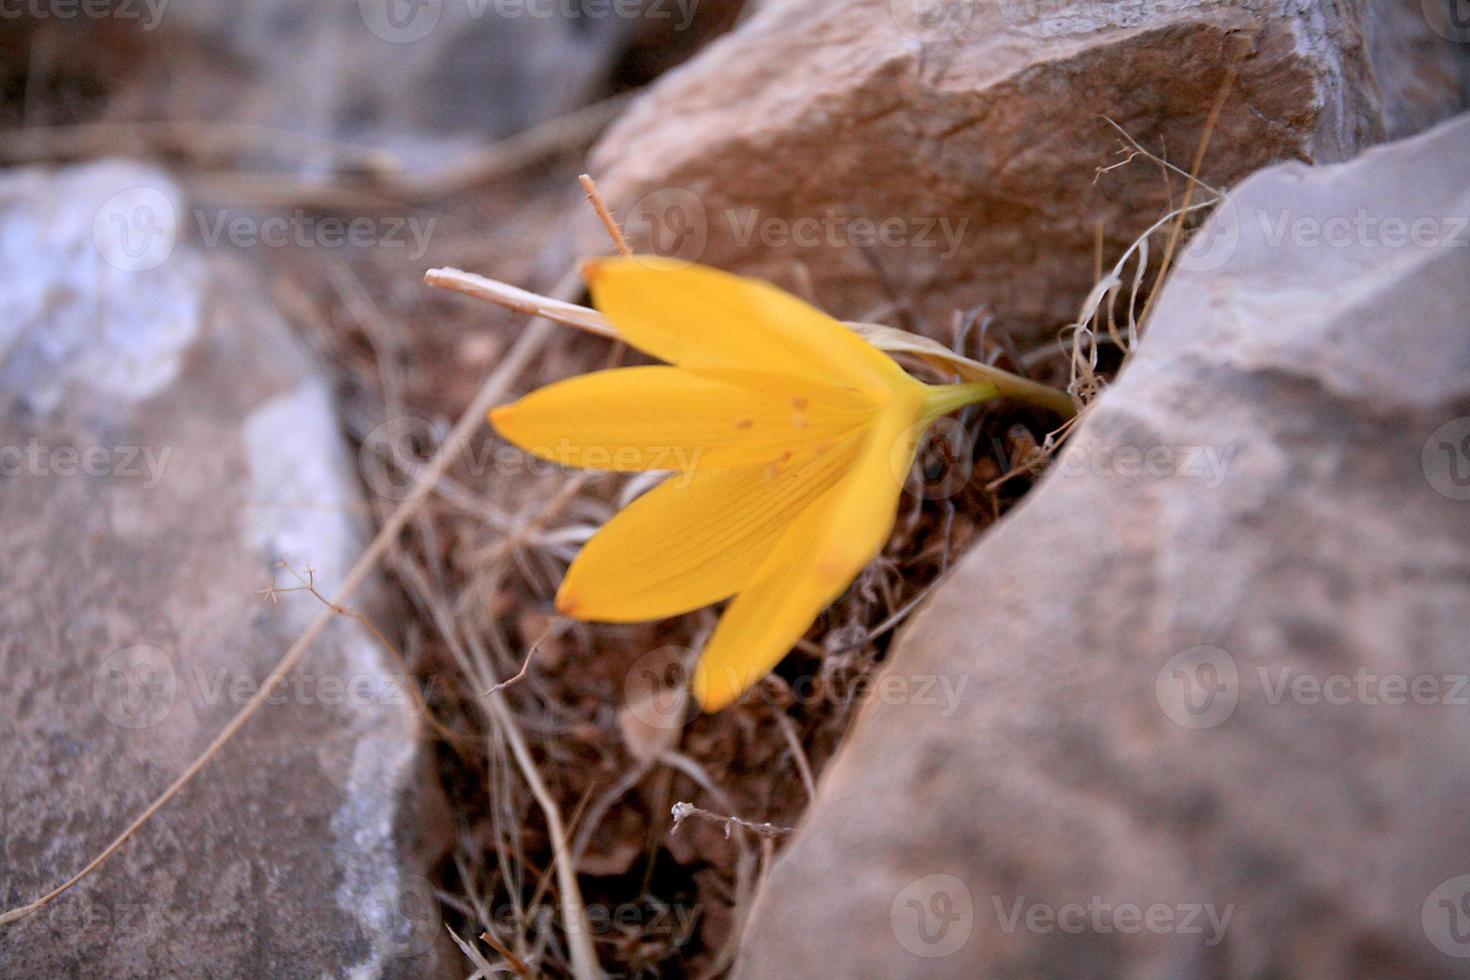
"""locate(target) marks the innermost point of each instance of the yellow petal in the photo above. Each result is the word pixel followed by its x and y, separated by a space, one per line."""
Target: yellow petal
pixel 694 540
pixel 698 317
pixel 812 564
pixel 664 418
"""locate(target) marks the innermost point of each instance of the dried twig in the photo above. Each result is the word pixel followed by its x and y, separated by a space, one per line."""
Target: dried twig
pixel 600 206
pixel 525 667
pixel 683 811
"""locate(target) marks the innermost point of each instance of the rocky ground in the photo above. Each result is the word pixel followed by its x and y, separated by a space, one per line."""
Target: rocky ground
pixel 1194 709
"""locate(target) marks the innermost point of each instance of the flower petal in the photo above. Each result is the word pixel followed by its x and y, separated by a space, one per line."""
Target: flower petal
pixel 664 418
pixel 698 317
pixel 694 540
pixel 811 565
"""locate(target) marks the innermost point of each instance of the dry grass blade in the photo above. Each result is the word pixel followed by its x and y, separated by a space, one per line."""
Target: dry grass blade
pixel 522 300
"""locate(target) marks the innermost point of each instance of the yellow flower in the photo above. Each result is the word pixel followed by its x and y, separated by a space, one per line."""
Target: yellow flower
pixel 789 437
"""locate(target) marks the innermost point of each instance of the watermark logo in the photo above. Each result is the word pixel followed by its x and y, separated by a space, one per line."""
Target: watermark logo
pixel 136 230
pixel 400 916
pixel 392 456
pixel 655 688
pixel 933 917
pixel 135 688
pixel 1450 19
pixel 1446 459
pixel 1446 917
pixel 944 461
pixel 670 223
pixel 932 20
pixel 401 21
pixel 1215 242
pixel 1198 688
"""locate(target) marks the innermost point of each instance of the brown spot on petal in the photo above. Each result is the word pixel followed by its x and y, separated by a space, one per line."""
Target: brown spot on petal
pixel 744 423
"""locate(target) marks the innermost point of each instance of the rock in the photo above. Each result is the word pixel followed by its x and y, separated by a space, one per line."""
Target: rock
pixel 426 81
pixel 1215 665
pixel 164 442
pixel 957 146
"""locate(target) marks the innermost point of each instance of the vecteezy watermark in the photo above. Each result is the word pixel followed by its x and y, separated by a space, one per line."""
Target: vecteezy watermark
pixel 1198 687
pixel 135 688
pixel 670 223
pixel 1213 244
pixel 126 462
pixel 837 230
pixel 1206 464
pixel 1363 230
pixel 653 688
pixel 1450 19
pixel 933 916
pixel 650 919
pixel 656 686
pixel 946 459
pixel 1202 686
pixel 148 12
pixel 1446 916
pixel 1446 459
pixel 933 20
pixel 1362 686
pixel 139 687
pixel 303 230
pixel 393 455
pixel 138 229
pixel 1218 239
pixel 400 916
pixel 407 21
pixel 97 918
pixel 673 223
pixel 1100 915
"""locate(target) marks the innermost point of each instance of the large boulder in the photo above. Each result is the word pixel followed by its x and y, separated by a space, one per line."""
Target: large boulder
pixel 945 154
pixel 1215 666
pixel 164 443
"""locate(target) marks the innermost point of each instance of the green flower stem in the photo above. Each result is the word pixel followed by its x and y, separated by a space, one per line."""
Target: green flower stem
pixel 944 399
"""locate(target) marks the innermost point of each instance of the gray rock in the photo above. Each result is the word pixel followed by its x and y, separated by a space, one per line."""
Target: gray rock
pixel 957 145
pixel 424 78
pixel 1216 664
pixel 164 442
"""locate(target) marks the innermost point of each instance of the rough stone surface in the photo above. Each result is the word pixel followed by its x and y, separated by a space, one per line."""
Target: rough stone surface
pixel 164 442
pixel 1190 687
pixel 958 151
